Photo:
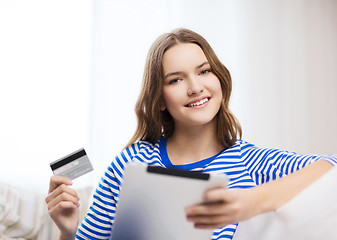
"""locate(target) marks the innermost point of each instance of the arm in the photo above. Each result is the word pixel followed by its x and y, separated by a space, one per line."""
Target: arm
pixel 63 203
pixel 222 206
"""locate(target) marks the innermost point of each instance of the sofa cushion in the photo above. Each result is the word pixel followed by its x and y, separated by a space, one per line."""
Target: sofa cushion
pixel 24 213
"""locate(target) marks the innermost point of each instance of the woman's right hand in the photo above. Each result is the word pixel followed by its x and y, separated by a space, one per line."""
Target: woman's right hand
pixel 63 204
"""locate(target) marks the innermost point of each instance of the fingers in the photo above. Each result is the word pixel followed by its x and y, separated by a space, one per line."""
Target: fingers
pixel 207 222
pixel 61 189
pixel 213 202
pixel 63 204
pixel 206 209
pixel 60 195
pixel 61 207
pixel 217 209
pixel 216 195
pixel 55 181
pixel 210 215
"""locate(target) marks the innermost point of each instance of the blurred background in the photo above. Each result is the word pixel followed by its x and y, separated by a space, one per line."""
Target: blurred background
pixel 70 73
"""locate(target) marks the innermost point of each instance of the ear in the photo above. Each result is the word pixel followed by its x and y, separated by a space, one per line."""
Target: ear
pixel 162 105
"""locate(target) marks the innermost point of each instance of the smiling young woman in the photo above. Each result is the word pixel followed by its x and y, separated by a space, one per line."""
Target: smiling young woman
pixel 192 96
pixel 184 122
pixel 154 123
pixel 191 92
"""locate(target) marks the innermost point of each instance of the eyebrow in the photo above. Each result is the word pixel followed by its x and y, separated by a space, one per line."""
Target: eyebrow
pixel 177 73
pixel 203 64
pixel 172 74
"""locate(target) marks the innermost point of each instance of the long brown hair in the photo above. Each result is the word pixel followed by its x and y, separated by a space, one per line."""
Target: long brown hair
pixel 154 123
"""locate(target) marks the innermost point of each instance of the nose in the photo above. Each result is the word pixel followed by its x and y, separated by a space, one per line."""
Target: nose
pixel 195 86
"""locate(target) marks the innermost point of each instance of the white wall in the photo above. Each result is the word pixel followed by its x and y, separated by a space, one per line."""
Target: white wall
pixel 287 74
pixel 45 68
pixel 281 53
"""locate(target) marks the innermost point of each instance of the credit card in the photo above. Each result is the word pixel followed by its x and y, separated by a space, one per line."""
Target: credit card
pixel 73 165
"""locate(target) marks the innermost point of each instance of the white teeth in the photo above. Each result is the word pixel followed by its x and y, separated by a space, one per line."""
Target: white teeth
pixel 198 103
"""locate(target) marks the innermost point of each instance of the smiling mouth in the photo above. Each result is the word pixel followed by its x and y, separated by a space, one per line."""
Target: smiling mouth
pixel 201 102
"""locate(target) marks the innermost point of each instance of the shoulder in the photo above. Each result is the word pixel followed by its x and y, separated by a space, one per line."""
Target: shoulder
pixel 237 151
pixel 140 151
pixel 242 145
pixel 247 146
pixel 252 151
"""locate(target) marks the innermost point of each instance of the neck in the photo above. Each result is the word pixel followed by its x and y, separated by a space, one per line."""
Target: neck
pixel 188 145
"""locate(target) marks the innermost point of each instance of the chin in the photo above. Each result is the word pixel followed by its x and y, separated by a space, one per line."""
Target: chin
pixel 201 122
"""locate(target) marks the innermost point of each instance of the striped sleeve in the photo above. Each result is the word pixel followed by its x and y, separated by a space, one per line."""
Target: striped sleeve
pixel 98 222
pixel 266 164
pixel 225 232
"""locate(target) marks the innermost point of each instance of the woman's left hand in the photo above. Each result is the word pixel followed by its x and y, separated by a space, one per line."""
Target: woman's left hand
pixel 223 206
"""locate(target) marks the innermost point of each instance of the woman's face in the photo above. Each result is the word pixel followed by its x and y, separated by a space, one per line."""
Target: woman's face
pixel 192 92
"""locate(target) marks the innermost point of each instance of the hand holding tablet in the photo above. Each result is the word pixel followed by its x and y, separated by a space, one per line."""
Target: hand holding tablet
pixel 153 200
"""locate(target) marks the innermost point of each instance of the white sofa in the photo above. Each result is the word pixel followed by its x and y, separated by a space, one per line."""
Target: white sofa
pixel 24 213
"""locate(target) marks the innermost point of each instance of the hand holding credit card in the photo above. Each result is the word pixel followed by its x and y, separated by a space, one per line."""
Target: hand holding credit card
pixel 73 165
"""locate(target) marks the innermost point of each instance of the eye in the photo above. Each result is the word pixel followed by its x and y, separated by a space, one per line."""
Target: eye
pixel 173 81
pixel 204 72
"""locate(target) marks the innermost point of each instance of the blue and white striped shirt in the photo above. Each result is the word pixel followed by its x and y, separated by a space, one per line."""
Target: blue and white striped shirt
pixel 245 164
